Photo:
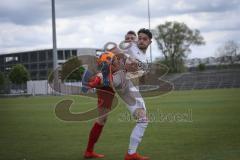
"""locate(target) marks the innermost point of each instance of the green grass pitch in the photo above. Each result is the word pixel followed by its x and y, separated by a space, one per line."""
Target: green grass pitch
pixel 186 125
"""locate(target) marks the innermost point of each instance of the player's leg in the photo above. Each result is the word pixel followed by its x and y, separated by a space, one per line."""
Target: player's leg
pixel 95 134
pixel 137 134
pixel 136 106
pixel 135 103
pixel 105 98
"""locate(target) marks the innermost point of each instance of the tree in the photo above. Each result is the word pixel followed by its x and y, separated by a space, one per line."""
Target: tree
pixel 201 66
pixel 18 74
pixel 72 70
pixel 174 40
pixel 230 50
pixel 2 79
pixel 2 82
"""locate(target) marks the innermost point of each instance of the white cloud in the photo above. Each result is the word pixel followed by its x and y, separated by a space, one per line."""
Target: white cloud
pixel 14 37
pixel 27 24
pixel 182 5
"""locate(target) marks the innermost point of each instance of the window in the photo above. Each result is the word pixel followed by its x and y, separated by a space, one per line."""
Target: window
pixel 67 54
pixel 43 73
pixel 11 59
pixel 42 66
pixel 74 53
pixel 24 58
pixel 1 60
pixel 60 55
pixel 33 66
pixel 33 57
pixel 42 56
pixel 50 55
pixel 2 69
pixel 34 75
pixel 50 65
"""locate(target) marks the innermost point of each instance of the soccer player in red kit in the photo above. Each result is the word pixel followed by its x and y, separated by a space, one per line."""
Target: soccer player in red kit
pixel 105 96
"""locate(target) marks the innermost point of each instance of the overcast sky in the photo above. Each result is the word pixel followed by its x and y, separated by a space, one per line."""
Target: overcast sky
pixel 26 24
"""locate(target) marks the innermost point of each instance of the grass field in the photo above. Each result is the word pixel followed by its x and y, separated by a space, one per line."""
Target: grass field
pixel 186 125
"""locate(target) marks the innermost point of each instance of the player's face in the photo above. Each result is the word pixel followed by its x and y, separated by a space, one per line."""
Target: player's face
pixel 143 41
pixel 130 38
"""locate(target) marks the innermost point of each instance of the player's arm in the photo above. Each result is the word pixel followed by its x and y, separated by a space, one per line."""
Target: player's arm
pixel 96 81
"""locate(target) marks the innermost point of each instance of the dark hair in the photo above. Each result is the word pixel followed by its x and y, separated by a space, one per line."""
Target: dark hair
pixel 145 31
pixel 132 32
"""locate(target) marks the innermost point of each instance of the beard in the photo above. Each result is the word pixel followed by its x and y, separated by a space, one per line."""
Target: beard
pixel 142 47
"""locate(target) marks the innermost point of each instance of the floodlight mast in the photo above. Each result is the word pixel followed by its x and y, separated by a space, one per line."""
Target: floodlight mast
pixel 54 39
pixel 149 26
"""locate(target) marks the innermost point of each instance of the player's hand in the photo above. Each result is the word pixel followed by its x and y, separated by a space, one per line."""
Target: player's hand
pixel 131 65
pixel 95 81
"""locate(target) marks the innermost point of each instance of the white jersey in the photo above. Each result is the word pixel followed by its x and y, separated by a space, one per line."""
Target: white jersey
pixel 126 90
pixel 136 53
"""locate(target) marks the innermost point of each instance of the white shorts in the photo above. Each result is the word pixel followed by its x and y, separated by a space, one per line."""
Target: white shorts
pixel 139 104
pixel 128 92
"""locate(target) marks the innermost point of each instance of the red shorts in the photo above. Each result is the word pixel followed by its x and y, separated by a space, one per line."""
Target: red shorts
pixel 105 97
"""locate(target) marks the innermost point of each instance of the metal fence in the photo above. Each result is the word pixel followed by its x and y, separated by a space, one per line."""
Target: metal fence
pixel 9 88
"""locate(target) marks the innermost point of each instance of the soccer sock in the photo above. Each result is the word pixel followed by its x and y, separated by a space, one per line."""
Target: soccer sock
pixel 136 137
pixel 94 135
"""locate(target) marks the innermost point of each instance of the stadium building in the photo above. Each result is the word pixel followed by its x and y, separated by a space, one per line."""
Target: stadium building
pixel 40 62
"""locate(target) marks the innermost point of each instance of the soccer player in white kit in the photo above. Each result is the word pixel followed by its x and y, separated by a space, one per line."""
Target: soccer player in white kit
pixel 130 36
pixel 131 95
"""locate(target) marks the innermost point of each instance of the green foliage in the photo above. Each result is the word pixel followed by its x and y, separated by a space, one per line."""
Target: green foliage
pixel 201 66
pixel 180 64
pixel 2 82
pixel 30 129
pixel 174 40
pixel 72 70
pixel 2 79
pixel 19 74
